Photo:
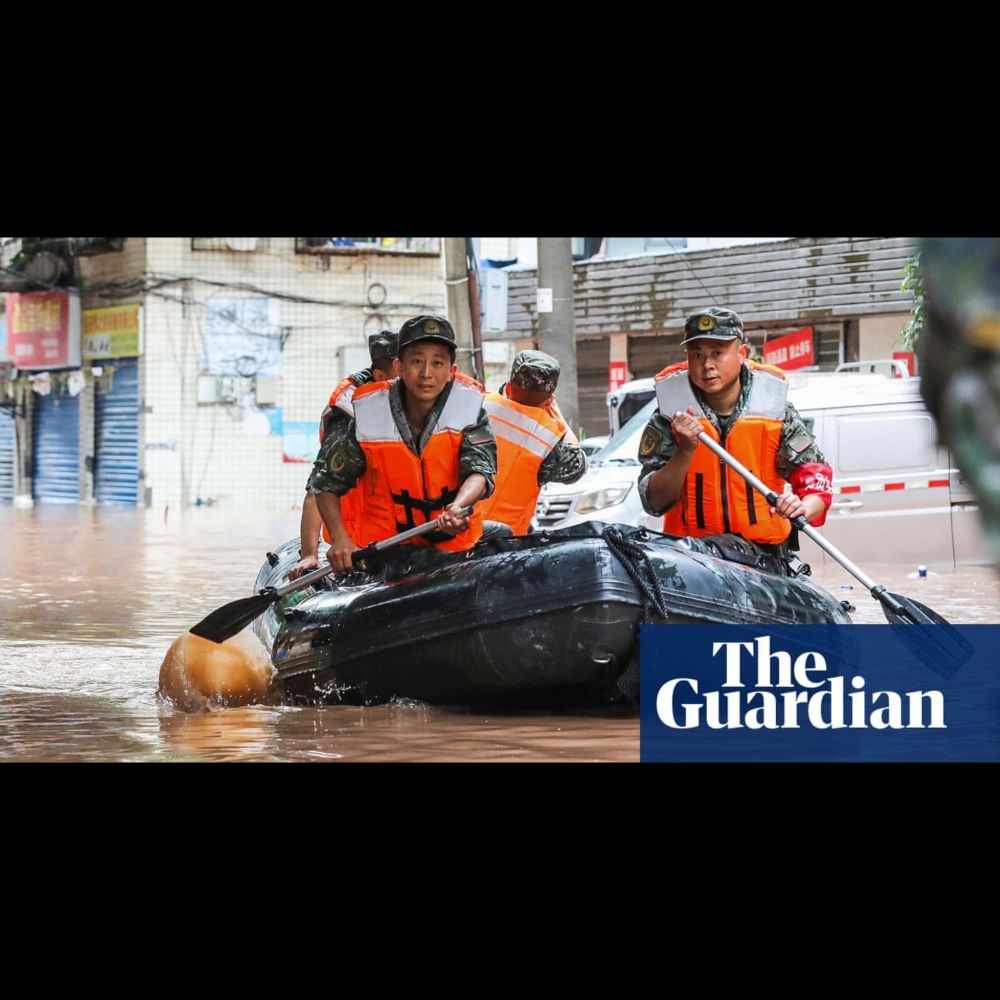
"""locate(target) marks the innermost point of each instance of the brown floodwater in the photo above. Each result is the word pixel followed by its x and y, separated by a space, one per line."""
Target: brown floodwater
pixel 92 598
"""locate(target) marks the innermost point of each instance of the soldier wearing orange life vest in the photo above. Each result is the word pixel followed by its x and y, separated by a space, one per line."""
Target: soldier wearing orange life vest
pixel 420 446
pixel 744 406
pixel 340 409
pixel 535 445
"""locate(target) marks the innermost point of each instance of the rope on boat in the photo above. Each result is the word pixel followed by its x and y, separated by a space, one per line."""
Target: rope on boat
pixel 637 564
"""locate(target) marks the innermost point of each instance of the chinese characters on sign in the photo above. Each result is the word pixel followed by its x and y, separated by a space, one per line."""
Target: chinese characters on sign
pixel 793 350
pixel 111 332
pixel 43 329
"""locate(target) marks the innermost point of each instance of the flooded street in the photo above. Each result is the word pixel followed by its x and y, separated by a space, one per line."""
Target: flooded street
pixel 90 601
pixel 91 598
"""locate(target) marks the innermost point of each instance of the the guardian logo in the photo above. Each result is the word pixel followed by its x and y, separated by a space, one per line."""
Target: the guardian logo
pixel 783 694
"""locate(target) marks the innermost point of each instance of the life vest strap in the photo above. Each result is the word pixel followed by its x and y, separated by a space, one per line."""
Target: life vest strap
pixel 426 507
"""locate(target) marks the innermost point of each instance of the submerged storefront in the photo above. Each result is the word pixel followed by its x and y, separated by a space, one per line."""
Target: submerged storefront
pixel 76 376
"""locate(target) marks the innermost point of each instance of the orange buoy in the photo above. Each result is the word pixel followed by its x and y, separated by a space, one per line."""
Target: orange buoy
pixel 198 674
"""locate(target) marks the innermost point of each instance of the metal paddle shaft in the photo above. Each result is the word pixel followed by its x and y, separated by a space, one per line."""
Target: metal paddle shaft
pixel 225 622
pixel 359 555
pixel 944 649
pixel 800 522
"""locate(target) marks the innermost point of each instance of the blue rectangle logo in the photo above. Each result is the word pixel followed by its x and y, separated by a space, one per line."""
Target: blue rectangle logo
pixel 820 693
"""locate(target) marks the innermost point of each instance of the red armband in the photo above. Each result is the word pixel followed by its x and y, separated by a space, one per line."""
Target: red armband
pixel 814 479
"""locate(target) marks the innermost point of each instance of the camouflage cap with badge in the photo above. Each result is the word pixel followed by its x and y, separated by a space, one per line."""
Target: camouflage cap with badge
pixel 382 346
pixel 713 323
pixel 426 328
pixel 535 371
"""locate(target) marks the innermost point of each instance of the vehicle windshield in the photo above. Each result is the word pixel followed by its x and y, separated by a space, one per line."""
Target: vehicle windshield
pixel 633 403
pixel 623 448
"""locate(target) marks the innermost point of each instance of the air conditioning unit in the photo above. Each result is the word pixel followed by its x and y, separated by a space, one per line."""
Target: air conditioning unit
pixel 493 300
pixel 266 390
pixel 216 389
pixel 84 246
pixel 353 358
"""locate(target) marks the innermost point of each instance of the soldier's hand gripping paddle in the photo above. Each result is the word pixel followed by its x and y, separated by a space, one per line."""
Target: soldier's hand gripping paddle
pixel 944 649
pixel 226 621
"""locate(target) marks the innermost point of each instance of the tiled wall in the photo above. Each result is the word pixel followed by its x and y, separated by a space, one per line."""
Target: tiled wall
pixel 193 451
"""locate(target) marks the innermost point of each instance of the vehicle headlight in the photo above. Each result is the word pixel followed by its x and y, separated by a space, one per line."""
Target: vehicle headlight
pixel 599 499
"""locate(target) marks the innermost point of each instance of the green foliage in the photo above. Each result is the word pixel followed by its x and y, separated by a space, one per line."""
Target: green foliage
pixel 31 247
pixel 913 281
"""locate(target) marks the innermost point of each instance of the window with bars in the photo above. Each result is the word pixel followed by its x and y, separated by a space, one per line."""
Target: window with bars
pixel 828 346
pixel 831 346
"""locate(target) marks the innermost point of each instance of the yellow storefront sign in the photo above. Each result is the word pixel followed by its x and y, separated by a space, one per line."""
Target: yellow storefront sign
pixel 111 332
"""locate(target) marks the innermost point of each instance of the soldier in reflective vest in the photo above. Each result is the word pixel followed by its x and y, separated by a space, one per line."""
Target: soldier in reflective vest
pixel 421 447
pixel 743 406
pixel 340 409
pixel 535 445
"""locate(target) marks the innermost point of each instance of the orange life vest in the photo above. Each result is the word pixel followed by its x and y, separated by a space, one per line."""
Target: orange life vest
pixel 340 398
pixel 402 489
pixel 526 436
pixel 716 499
pixel 352 506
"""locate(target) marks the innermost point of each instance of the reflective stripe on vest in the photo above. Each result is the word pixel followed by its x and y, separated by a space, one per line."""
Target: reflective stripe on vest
pixel 673 391
pixel 526 436
pixel 768 392
pixel 716 499
pixel 402 489
pixel 528 427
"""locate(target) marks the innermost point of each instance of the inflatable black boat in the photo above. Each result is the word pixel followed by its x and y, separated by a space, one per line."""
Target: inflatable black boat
pixel 547 621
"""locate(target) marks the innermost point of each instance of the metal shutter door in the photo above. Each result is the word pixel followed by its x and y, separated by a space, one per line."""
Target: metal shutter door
pixel 56 449
pixel 116 436
pixel 6 453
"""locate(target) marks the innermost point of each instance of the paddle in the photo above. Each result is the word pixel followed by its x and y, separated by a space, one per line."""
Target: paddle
pixel 226 621
pixel 943 649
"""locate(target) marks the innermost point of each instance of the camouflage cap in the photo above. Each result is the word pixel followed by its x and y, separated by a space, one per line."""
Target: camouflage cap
pixel 382 346
pixel 713 323
pixel 426 328
pixel 536 371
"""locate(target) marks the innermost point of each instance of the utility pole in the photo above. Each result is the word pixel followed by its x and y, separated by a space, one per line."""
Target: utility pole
pixel 456 279
pixel 23 443
pixel 556 329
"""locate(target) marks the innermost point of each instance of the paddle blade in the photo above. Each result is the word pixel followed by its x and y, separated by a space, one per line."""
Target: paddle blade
pixel 942 648
pixel 225 622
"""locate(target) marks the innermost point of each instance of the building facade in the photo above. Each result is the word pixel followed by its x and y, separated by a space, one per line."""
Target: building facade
pixel 629 312
pixel 201 364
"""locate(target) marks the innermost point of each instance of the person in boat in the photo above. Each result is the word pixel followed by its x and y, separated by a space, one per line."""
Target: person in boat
pixel 744 406
pixel 535 445
pixel 421 448
pixel 382 348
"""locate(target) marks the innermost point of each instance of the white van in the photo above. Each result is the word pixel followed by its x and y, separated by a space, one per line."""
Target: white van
pixel 897 496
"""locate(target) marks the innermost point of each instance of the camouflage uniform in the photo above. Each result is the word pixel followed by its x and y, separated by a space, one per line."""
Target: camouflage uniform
pixel 566 463
pixel 539 372
pixel 341 462
pixel 798 446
